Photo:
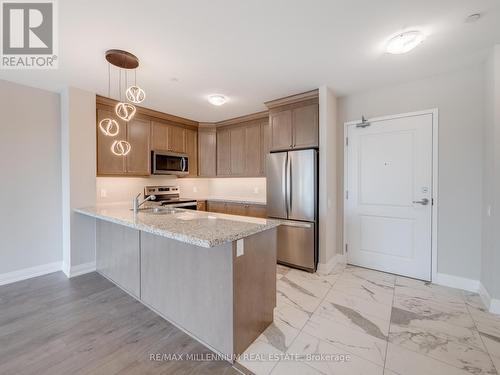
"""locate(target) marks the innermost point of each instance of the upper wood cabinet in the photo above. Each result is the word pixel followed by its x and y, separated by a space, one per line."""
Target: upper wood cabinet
pixel 138 160
pixel 148 130
pixel 176 139
pixel 207 151
pixel 237 151
pixel 159 136
pixel 265 146
pixel 223 152
pixel 191 148
pixel 253 150
pixel 294 121
pixel 168 137
pixel 109 164
pixel 241 148
pixel 305 126
pixel 281 130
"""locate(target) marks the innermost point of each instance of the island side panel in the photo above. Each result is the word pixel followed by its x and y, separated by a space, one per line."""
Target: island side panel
pixel 117 255
pixel 191 286
pixel 254 287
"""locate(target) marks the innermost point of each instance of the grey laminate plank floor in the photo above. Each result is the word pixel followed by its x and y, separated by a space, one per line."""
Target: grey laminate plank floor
pixel 86 325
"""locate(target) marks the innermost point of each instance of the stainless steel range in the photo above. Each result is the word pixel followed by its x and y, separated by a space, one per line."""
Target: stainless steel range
pixel 169 196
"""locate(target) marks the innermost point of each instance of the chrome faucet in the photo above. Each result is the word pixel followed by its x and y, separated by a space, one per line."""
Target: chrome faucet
pixel 137 204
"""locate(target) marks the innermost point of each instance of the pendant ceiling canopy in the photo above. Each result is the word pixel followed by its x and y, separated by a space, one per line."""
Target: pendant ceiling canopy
pixel 122 59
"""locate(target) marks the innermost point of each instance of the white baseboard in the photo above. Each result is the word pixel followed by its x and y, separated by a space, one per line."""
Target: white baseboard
pixel 492 304
pixel 66 268
pixel 326 268
pixel 495 306
pixel 28 273
pixel 82 269
pixel 456 282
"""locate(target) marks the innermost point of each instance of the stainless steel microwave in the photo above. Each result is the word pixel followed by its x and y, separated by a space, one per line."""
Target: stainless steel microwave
pixel 164 162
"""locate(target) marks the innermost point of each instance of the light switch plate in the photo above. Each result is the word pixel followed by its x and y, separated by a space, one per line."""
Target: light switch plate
pixel 104 193
pixel 240 248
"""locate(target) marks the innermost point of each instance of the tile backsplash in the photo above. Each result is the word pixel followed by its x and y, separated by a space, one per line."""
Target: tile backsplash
pixel 123 189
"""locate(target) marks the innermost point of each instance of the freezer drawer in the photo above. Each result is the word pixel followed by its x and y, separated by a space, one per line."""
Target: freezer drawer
pixel 296 244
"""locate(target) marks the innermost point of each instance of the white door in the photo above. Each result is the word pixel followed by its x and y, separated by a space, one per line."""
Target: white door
pixel 388 206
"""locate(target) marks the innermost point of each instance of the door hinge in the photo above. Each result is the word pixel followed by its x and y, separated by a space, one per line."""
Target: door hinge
pixel 347 194
pixel 432 201
pixel 346 248
pixel 347 141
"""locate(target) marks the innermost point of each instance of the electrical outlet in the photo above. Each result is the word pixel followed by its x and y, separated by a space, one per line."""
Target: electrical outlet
pixel 256 190
pixel 195 189
pixel 104 193
pixel 240 248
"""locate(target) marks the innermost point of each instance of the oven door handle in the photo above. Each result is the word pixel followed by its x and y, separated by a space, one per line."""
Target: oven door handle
pixel 180 205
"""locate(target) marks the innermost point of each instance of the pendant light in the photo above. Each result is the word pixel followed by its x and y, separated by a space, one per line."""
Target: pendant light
pixel 123 60
pixel 134 93
pixel 109 126
pixel 121 148
pixel 124 110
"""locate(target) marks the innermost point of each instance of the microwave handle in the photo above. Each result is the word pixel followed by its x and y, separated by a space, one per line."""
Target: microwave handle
pixel 183 164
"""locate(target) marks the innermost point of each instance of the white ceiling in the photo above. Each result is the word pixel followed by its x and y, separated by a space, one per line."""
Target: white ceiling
pixel 258 50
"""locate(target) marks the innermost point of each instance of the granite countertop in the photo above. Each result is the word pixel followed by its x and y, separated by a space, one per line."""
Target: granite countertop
pixel 205 229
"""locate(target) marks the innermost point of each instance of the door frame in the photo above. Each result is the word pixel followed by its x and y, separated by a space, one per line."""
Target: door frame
pixel 435 192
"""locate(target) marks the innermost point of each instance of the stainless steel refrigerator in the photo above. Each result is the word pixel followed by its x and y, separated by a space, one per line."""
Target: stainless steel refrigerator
pixel 292 195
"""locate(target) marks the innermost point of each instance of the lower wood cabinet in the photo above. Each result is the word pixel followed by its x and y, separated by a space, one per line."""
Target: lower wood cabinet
pixel 201 205
pixel 215 206
pixel 235 208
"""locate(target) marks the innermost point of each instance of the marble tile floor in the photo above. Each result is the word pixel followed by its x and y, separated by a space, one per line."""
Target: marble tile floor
pixel 359 321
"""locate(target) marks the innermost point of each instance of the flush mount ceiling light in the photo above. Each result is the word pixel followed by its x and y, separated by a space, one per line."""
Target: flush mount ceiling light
pixel 473 18
pixel 404 42
pixel 217 99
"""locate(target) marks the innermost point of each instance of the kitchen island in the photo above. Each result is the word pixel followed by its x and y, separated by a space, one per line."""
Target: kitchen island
pixel 212 275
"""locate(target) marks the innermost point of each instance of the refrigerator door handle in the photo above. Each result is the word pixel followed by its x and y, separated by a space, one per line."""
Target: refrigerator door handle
pixel 284 183
pixel 288 186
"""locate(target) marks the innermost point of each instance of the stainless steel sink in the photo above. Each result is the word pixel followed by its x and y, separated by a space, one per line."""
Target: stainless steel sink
pixel 160 210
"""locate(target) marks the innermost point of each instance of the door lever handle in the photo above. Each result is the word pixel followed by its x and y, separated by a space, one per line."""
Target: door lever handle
pixel 423 202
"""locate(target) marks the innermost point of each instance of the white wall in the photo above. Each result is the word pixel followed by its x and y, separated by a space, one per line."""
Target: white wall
pixel 78 143
pixel 30 170
pixel 490 276
pixel 459 98
pixel 328 172
pixel 123 189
